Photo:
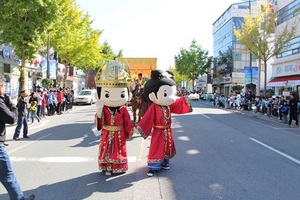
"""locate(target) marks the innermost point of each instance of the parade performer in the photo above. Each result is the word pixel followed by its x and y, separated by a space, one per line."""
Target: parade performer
pixel 112 117
pixel 160 90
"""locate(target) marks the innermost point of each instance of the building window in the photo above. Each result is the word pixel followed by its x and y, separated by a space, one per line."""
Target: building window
pixel 293 47
pixel 288 12
pixel 6 68
pixel 237 56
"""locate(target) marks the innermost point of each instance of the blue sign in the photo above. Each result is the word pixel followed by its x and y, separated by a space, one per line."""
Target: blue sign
pixel 6 53
pixel 248 72
pixel 52 69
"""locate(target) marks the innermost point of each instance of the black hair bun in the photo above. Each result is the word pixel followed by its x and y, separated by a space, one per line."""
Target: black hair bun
pixel 156 74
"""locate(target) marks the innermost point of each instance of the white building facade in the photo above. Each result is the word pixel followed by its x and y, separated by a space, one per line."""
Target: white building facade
pixel 286 66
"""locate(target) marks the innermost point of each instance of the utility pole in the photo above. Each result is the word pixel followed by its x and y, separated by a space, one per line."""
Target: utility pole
pixel 48 57
pixel 250 64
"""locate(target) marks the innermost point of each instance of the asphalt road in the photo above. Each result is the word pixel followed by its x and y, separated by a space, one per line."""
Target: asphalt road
pixel 221 154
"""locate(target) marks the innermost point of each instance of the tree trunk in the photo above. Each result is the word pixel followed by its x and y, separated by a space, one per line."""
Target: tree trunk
pixel 65 75
pixel 259 77
pixel 23 70
pixel 265 78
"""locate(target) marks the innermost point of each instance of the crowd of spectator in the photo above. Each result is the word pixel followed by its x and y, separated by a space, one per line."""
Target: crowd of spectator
pixel 279 107
pixel 49 102
pixel 276 106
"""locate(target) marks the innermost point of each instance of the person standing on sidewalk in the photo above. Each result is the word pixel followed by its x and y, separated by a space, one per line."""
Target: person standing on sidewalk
pixel 22 116
pixel 285 111
pixel 39 95
pixel 293 103
pixel 280 106
pixel 8 114
pixel 59 101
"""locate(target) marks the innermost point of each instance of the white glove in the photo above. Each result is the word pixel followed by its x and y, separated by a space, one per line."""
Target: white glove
pixel 99 105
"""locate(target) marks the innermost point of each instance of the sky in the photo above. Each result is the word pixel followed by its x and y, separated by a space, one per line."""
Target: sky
pixel 155 28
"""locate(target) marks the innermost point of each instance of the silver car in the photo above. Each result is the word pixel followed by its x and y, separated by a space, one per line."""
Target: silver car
pixel 86 96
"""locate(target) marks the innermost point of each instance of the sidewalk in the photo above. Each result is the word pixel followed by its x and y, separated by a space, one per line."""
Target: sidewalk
pixel 255 114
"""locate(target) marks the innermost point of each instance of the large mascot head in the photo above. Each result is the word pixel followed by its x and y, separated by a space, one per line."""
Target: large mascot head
pixel 161 88
pixel 113 85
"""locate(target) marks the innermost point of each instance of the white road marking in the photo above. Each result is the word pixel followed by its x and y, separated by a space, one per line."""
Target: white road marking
pixel 27 144
pixel 192 151
pixel 277 151
pixel 60 159
pixel 184 138
pixel 205 116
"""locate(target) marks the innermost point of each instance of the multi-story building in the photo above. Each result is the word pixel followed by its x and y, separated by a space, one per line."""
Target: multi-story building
pixel 9 66
pixel 232 64
pixel 286 66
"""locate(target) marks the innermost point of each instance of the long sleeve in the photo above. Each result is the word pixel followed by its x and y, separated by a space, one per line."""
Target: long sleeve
pixel 181 105
pixel 8 116
pixel 146 123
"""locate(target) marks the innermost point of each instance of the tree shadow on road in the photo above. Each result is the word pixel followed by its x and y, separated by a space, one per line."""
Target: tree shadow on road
pixel 85 186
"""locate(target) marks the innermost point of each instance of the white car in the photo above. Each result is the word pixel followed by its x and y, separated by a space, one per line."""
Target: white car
pixel 86 96
pixel 194 96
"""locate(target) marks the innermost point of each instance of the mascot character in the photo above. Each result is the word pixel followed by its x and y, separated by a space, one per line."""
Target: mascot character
pixel 160 91
pixel 112 117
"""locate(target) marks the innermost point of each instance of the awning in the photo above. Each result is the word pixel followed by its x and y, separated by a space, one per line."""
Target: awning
pixel 69 78
pixel 284 81
pixel 293 82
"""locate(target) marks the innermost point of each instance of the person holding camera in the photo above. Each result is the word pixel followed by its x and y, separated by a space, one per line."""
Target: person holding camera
pixel 8 115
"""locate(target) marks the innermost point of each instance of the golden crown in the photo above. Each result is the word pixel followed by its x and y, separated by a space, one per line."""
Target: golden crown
pixel 113 75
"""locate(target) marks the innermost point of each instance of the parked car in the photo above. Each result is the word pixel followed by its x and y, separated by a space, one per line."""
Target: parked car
pixel 193 96
pixel 86 96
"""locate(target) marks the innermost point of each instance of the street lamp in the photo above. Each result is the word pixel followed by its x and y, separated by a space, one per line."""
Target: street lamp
pixel 250 55
pixel 250 64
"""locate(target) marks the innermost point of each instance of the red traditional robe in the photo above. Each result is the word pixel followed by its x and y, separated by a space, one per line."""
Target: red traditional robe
pixel 116 129
pixel 157 120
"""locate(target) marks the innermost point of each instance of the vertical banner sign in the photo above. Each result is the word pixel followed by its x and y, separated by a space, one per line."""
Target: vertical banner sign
pixel 44 68
pixel 52 68
pixel 247 75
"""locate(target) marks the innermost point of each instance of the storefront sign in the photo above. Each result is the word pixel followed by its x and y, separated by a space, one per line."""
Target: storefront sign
pixel 227 80
pixel 286 69
pixel 5 53
pixel 37 74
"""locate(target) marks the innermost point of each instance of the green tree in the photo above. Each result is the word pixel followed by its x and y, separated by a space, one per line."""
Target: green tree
pixel 24 25
pixel 47 82
pixel 257 34
pixel 237 88
pixel 75 41
pixel 178 78
pixel 192 62
pixel 108 53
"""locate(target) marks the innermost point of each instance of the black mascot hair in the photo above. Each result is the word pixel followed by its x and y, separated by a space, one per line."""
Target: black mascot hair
pixel 158 79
